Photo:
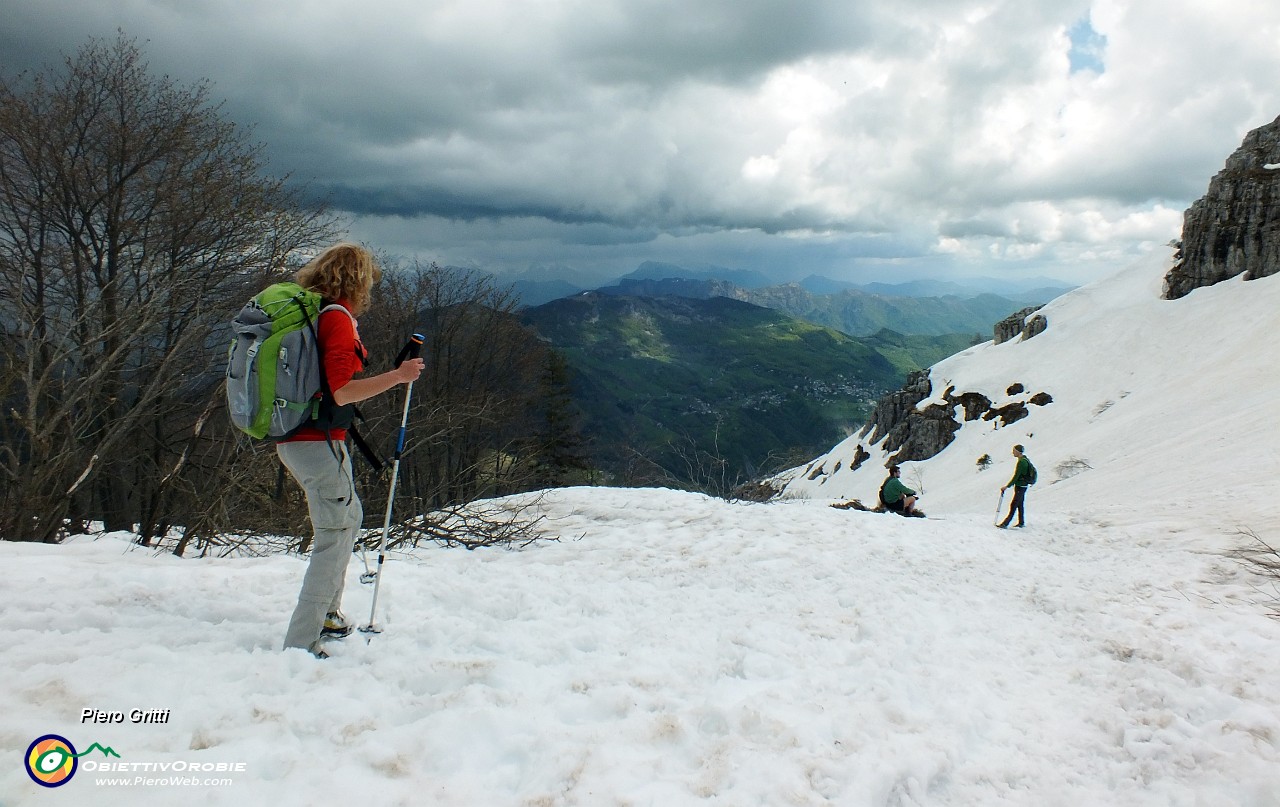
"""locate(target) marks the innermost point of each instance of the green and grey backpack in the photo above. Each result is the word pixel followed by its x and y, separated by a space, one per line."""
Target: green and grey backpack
pixel 274 378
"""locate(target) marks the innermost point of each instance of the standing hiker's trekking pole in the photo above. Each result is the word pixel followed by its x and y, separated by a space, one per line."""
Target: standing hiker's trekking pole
pixel 999 507
pixel 410 351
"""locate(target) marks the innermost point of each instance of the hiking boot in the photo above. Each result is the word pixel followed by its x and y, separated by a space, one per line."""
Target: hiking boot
pixel 335 626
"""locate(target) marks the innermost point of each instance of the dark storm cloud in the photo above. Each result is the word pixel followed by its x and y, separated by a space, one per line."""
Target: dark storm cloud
pixel 408 202
pixel 721 42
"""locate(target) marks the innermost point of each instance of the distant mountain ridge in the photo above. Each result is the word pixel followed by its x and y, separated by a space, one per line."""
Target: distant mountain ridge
pixel 1019 289
pixel 655 270
pixel 541 284
pixel 852 311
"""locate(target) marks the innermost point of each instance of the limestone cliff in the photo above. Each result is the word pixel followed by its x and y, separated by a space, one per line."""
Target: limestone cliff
pixel 1234 229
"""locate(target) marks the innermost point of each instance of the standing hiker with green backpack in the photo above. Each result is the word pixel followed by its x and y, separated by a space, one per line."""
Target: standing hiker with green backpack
pixel 1023 476
pixel 315 452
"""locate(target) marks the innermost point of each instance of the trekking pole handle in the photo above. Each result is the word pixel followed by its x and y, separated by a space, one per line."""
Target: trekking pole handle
pixel 412 349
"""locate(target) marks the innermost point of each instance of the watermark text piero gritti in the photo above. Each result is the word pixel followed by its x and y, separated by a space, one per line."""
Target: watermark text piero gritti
pixel 134 716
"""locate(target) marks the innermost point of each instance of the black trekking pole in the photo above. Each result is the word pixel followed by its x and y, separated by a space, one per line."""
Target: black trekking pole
pixel 410 351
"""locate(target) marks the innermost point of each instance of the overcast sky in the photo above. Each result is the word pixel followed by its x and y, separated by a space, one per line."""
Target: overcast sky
pixel 857 139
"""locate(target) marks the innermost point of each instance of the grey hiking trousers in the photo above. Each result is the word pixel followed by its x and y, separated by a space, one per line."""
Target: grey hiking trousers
pixel 324 472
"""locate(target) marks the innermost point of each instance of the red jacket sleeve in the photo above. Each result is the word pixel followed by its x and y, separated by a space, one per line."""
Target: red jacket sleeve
pixel 340 348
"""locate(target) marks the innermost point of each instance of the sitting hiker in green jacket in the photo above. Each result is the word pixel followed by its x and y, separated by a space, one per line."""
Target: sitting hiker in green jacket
pixel 896 496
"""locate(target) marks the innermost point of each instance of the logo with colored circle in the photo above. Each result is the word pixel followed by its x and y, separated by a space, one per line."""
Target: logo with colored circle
pixel 51 760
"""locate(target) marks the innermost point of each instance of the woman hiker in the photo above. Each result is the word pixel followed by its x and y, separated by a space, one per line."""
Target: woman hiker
pixel 317 456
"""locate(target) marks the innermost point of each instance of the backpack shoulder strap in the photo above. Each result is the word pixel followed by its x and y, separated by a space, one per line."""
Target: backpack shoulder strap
pixel 328 306
pixel 369 454
pixel 365 449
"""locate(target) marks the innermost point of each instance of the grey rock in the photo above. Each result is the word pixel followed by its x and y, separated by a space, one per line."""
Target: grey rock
pixel 895 407
pixel 1016 325
pixel 923 434
pixel 1234 229
pixel 1008 414
pixel 1035 325
pixel 859 457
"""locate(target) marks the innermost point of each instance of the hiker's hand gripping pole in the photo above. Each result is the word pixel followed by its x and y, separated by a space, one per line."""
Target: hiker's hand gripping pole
pixel 411 350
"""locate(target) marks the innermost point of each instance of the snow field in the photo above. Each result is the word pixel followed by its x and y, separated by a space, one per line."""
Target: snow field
pixel 673 649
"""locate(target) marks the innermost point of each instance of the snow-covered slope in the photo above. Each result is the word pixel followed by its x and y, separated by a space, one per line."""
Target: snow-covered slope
pixel 671 650
pixel 1160 408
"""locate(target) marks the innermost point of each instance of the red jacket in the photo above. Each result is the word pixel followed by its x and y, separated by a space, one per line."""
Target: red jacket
pixel 343 355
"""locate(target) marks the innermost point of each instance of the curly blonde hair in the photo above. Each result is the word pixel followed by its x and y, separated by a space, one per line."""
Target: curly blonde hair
pixel 342 272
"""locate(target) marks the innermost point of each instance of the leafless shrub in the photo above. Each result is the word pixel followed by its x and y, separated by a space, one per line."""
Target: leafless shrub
pixel 227 544
pixel 1261 558
pixel 684 464
pixel 511 523
pixel 702 470
pixel 761 491
pixel 917 478
pixel 1072 467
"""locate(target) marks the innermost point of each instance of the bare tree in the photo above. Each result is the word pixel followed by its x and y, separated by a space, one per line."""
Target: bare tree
pixel 133 221
pixel 477 420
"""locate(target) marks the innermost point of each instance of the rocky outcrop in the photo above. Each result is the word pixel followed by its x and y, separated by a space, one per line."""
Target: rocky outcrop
pixel 1035 325
pixel 1234 229
pixel 975 404
pixel 912 434
pixel 893 409
pixel 923 434
pixel 818 470
pixel 916 434
pixel 860 456
pixel 1008 414
pixel 1020 324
